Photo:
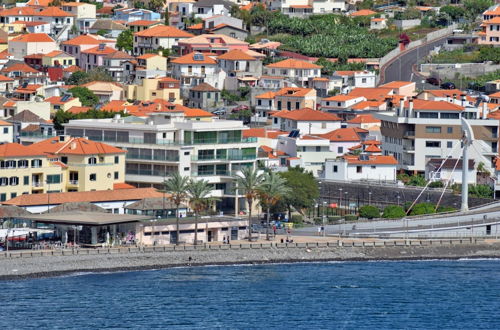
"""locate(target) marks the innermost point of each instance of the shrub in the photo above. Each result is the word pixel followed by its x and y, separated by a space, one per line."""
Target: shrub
pixel 445 209
pixel 417 180
pixel 393 212
pixel 334 218
pixel 351 217
pixel 480 191
pixel 436 184
pixel 423 208
pixel 369 211
pixel 297 218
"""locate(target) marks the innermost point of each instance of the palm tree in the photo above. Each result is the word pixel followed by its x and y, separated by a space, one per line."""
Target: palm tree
pixel 199 192
pixel 249 181
pixel 272 189
pixel 176 186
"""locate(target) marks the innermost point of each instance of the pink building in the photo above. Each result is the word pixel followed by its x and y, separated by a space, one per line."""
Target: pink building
pixel 211 43
pixel 94 57
pixel 490 35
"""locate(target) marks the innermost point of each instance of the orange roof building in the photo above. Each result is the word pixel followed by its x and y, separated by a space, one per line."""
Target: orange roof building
pixel 297 71
pixel 363 12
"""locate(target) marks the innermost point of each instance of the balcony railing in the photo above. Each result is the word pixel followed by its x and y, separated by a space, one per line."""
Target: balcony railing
pixel 86 164
pixel 73 182
pixel 37 184
pixel 146 172
pixel 152 157
pixel 409 133
pixel 225 157
pixel 174 143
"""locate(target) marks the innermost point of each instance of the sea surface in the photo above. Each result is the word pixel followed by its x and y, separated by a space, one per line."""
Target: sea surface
pixel 463 294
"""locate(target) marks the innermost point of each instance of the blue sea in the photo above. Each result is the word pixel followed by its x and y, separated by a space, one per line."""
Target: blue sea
pixel 463 294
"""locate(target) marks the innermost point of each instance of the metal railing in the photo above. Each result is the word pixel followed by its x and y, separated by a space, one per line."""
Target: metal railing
pixel 152 157
pixel 73 182
pixel 37 184
pixel 224 157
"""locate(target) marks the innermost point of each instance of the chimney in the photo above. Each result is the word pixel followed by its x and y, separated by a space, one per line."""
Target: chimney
pixel 72 146
pixel 401 107
pixel 454 98
pixel 410 108
pixel 485 110
pixel 463 100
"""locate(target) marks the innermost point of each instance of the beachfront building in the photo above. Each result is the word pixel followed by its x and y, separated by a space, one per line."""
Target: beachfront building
pixel 188 141
pixel 420 130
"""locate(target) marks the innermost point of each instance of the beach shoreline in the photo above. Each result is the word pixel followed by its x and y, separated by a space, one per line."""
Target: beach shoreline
pixel 50 266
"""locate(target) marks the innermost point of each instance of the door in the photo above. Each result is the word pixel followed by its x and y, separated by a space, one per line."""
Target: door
pixel 210 235
pixel 173 237
pixel 488 229
pixel 234 233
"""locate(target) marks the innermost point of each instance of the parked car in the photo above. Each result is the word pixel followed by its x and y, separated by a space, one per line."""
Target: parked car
pixel 239 108
pixel 448 85
pixel 433 81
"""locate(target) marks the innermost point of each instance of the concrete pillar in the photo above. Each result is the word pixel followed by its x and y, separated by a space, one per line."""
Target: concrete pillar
pixel 93 235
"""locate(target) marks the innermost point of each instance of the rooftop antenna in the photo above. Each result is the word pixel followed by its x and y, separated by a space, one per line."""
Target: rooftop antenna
pixel 467 139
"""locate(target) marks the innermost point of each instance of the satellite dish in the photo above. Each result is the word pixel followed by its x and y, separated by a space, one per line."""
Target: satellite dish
pixel 468 132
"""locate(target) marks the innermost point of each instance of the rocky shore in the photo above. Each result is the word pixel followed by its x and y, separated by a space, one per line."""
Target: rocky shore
pixel 43 266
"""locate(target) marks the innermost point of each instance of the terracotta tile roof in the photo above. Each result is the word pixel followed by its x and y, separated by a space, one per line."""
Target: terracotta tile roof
pixel 85 196
pixel 163 31
pixel 293 64
pixel 18 11
pixel 194 112
pixel 364 119
pixel 106 10
pixel 367 105
pixel 266 95
pixel 198 26
pixel 204 87
pixel 169 79
pixel 494 20
pixel 26 116
pixel 75 146
pixel 5 123
pixel 33 37
pixel 373 148
pixel 204 39
pixel 83 39
pixel 5 79
pixel 340 98
pixel 378 19
pixel 122 185
pixel 236 55
pixel 397 84
pixel 434 105
pixel 263 133
pixel 444 92
pixel 143 22
pixel 363 12
pixel 72 4
pixel 99 51
pixel 72 68
pixel 54 12
pixel 346 73
pixel 76 109
pixel 54 53
pixel 115 105
pixel 11 150
pixel 307 114
pixel 120 55
pixel 372 160
pixel 9 104
pixel 189 59
pixel 31 128
pixel 29 89
pixel 58 100
pixel 294 92
pixel 344 134
pixel 372 94
pixel 371 142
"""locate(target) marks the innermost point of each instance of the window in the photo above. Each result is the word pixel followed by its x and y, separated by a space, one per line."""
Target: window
pixel 23 163
pixel 450 130
pixel 4 181
pixel 373 167
pixel 3 197
pixel 232 35
pixel 186 168
pixel 259 102
pixel 10 164
pixel 335 168
pixel 117 174
pixel 432 144
pixel 186 153
pixel 297 105
pixel 447 115
pixel 318 149
pixel 359 169
pixel 428 115
pixel 93 177
pixel 64 159
pixel 432 129
pixel 5 130
pixel 14 181
pixel 26 180
pixel 12 195
pixel 92 161
pixel 449 144
pixel 36 163
pixel 340 150
pixel 363 80
pixel 117 159
pixel 53 178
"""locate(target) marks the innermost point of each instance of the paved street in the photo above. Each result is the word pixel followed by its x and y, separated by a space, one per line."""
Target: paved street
pixel 401 67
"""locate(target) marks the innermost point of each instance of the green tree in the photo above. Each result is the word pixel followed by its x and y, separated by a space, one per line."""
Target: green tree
pixel 454 12
pixel 177 186
pixel 167 18
pixel 248 183
pixel 125 41
pixel 393 212
pixel 102 32
pixel 156 5
pixel 78 78
pixel 199 192
pixel 369 212
pixel 423 208
pixel 476 7
pixel 86 96
pixel 480 191
pixel 99 74
pixel 305 190
pixel 271 191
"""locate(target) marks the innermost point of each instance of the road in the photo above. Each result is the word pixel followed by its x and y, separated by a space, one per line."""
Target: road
pixel 401 67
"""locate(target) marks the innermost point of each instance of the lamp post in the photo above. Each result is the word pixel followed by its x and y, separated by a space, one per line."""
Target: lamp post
pixel 370 198
pixel 324 219
pixel 398 198
pixel 346 201
pixel 340 199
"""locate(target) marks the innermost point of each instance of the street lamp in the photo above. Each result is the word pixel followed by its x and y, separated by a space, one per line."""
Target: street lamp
pixel 324 219
pixel 340 198
pixel 398 199
pixel 369 198
pixel 346 200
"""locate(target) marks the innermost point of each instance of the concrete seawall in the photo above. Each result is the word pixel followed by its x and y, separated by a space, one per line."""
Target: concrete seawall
pixel 18 265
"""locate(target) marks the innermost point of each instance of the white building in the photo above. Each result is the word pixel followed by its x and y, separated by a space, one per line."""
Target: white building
pixel 6 132
pixel 449 171
pixel 340 102
pixel 32 43
pixel 192 143
pixel 356 79
pixel 196 68
pixel 306 121
pixel 296 71
pixel 362 167
pixel 156 37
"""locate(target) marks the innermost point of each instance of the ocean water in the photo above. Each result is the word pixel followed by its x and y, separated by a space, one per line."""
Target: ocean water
pixel 463 294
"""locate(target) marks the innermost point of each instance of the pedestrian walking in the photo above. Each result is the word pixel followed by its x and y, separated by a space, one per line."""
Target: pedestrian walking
pixel 319 231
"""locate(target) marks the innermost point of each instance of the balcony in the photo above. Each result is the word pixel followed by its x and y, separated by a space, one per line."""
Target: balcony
pixel 408 148
pixel 409 134
pixel 146 172
pixel 152 157
pixel 73 183
pixel 85 164
pixel 222 158
pixel 37 184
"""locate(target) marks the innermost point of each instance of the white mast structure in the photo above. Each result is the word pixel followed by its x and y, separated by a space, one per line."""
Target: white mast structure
pixel 467 139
